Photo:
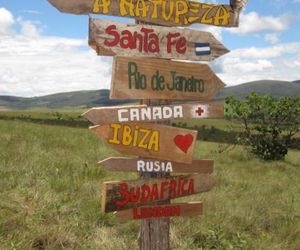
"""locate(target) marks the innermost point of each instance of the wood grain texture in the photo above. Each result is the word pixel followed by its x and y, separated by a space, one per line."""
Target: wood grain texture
pixel 169 143
pixel 143 113
pixel 112 197
pixel 142 78
pixel 168 12
pixel 124 164
pixel 109 41
pixel 161 211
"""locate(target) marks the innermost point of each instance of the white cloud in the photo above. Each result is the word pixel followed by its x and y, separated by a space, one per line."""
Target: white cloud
pixel 216 31
pixel 278 62
pixel 6 21
pixel 28 29
pixel 252 22
pixel 276 51
pixel 32 64
pixel 33 12
pixel 272 38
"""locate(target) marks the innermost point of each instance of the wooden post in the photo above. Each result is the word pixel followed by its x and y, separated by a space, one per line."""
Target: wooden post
pixel 155 233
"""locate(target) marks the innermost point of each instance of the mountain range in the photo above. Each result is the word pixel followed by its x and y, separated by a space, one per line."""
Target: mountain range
pixel 95 98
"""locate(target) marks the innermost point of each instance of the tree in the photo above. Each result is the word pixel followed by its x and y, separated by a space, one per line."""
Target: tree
pixel 269 124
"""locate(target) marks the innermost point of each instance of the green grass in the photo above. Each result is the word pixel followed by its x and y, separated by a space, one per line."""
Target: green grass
pixel 50 196
pixel 42 114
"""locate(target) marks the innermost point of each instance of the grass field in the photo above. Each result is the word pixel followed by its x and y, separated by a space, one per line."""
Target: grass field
pixel 50 190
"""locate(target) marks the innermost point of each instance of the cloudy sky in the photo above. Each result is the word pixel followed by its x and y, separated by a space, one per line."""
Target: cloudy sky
pixel 43 51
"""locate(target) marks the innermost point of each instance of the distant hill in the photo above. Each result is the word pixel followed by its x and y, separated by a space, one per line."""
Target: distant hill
pixel 95 98
pixel 263 87
pixel 298 81
pixel 69 99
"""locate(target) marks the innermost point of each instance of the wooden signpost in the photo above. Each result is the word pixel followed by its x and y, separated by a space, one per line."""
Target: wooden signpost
pixel 154 166
pixel 143 113
pixel 162 211
pixel 139 72
pixel 112 38
pixel 144 78
pixel 166 12
pixel 122 195
pixel 149 140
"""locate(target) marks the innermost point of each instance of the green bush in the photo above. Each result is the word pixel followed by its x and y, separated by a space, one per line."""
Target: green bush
pixel 269 124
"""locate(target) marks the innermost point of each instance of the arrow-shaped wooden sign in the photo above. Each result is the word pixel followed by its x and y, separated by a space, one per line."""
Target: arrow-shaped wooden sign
pixel 112 38
pixel 161 211
pixel 143 113
pixel 149 140
pixel 123 164
pixel 167 12
pixel 123 195
pixel 149 78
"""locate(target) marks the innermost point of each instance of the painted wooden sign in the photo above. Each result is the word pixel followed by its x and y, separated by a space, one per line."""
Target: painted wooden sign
pixel 123 195
pixel 123 164
pixel 111 38
pixel 143 113
pixel 148 78
pixel 149 140
pixel 167 12
pixel 161 211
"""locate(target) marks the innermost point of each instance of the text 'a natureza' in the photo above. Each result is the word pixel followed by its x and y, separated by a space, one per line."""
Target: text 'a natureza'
pixel 149 140
pixel 161 211
pixel 143 113
pixel 146 78
pixel 123 195
pixel 163 12
pixel 112 38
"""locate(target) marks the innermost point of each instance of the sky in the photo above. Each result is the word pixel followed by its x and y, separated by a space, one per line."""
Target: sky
pixel 43 51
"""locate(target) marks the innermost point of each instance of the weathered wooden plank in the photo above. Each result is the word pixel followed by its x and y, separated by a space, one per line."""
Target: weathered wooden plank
pixel 167 12
pixel 135 78
pixel 143 113
pixel 149 140
pixel 122 195
pixel 112 38
pixel 124 164
pixel 161 211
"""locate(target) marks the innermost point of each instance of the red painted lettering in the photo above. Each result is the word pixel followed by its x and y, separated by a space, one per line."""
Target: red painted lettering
pixel 145 193
pixel 156 212
pixel 170 42
pixel 183 190
pixel 153 45
pixel 123 191
pixel 136 216
pixel 167 189
pixel 134 197
pixel 146 33
pixel 126 41
pixel 154 193
pixel 162 188
pixel 179 186
pixel 145 40
pixel 180 43
pixel 111 30
pixel 191 187
pixel 172 189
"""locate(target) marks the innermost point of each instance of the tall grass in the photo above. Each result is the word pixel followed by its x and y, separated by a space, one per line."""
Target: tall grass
pixel 50 190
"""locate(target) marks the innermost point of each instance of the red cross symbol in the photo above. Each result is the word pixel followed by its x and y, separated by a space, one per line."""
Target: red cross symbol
pixel 199 111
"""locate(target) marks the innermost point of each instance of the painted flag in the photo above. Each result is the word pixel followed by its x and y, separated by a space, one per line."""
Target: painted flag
pixel 202 49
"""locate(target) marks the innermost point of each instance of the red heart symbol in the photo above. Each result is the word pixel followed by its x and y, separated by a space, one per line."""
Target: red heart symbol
pixel 184 142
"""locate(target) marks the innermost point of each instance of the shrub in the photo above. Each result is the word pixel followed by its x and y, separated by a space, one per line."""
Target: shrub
pixel 269 124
